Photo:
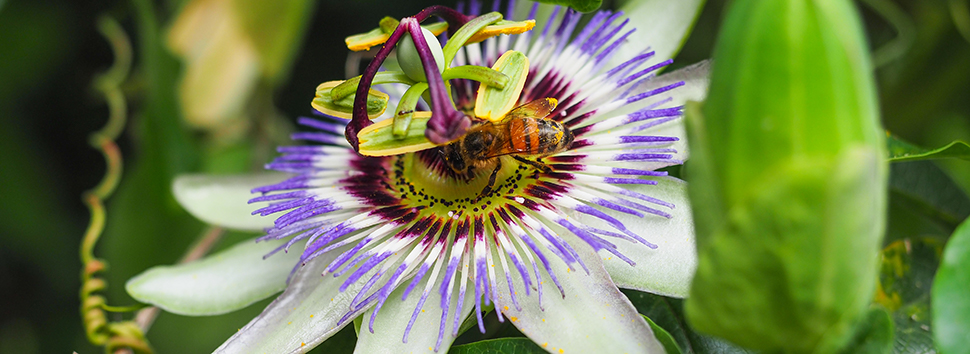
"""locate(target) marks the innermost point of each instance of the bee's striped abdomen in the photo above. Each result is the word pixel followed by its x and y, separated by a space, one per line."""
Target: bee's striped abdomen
pixel 538 136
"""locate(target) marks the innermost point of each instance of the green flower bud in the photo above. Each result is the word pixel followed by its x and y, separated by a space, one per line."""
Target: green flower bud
pixel 788 178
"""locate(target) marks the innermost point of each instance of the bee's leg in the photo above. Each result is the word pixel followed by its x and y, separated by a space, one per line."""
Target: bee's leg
pixel 538 165
pixel 491 181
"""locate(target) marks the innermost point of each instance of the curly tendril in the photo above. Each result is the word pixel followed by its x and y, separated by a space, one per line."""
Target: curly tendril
pixel 112 335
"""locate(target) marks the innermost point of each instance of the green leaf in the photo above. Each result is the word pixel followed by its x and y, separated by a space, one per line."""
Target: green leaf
pixel 499 346
pixel 900 150
pixel 220 283
pixel 923 188
pixel 665 339
pixel 874 334
pixel 578 5
pixel 662 25
pixel 951 305
pixel 907 270
pixel 668 313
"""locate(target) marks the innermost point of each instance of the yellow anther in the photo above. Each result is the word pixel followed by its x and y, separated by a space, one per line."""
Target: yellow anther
pixel 365 41
pixel 502 27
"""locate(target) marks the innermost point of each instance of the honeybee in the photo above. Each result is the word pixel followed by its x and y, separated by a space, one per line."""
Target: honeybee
pixel 524 131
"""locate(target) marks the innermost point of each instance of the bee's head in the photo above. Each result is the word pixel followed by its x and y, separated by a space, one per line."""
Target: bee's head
pixel 451 154
pixel 478 143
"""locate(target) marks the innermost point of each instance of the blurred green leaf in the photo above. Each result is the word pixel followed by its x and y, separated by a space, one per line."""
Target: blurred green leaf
pixel 670 345
pixel 926 190
pixel 668 313
pixel 276 29
pixel 578 5
pixel 499 346
pixel 874 334
pixel 145 226
pixel 951 305
pixel 907 219
pixel 900 150
pixel 905 279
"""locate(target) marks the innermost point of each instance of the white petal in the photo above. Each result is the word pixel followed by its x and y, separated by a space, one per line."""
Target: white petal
pixel 305 315
pixel 393 317
pixel 220 283
pixel 668 269
pixel 223 200
pixel 661 24
pixel 696 78
pixel 594 316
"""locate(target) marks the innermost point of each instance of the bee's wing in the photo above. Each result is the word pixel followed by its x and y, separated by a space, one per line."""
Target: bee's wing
pixel 539 109
pixel 510 138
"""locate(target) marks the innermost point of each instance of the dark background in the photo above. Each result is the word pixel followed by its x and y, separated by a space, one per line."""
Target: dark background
pixel 50 51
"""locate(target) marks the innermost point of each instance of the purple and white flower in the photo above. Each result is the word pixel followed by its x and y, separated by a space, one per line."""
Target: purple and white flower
pixel 404 243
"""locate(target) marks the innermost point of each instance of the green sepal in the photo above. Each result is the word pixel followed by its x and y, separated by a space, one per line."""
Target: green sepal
pixel 343 108
pixel 493 103
pixel 378 139
pixel 799 255
pixel 788 179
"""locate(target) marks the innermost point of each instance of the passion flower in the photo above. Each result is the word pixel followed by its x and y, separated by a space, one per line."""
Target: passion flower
pixel 414 246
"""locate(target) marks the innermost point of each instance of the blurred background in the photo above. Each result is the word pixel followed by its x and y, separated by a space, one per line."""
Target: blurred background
pixel 215 85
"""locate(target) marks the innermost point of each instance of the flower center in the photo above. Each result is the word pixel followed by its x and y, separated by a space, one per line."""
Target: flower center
pixel 422 179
